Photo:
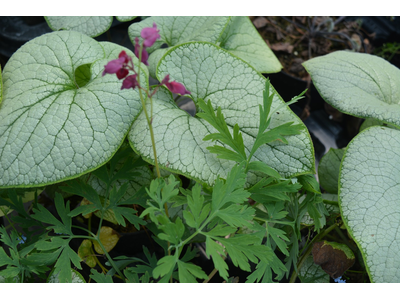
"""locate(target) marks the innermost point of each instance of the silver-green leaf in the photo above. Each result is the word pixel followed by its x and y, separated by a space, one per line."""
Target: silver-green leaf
pixel 91 26
pixel 60 118
pixel 243 40
pixel 211 73
pixel 358 84
pixel 369 199
pixel 235 34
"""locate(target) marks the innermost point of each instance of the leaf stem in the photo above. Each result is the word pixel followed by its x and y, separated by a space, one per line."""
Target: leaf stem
pixel 97 238
pixel 330 202
pixel 211 275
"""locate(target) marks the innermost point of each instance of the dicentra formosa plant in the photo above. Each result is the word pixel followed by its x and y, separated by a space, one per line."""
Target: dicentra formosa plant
pixel 61 118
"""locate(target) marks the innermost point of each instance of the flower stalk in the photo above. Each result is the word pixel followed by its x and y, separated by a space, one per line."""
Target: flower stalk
pixel 123 65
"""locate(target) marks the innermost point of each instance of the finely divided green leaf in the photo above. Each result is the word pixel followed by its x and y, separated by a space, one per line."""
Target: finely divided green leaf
pixel 43 215
pixel 197 212
pixel 213 74
pixel 236 215
pixel 261 166
pixel 100 277
pixel 264 269
pixel 189 272
pixel 4 259
pixel 230 191
pixel 243 248
pixel 165 266
pixel 267 190
pixel 63 264
pixel 279 237
pixel 215 250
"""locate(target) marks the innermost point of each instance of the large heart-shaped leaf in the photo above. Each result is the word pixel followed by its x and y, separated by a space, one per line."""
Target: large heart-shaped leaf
pixel 91 26
pixel 235 34
pixel 125 18
pixel 243 40
pixel 211 73
pixel 369 188
pixel 358 84
pixel 59 117
pixel 177 30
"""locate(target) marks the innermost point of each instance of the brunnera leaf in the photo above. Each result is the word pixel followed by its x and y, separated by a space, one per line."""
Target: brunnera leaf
pixel 211 73
pixel 54 127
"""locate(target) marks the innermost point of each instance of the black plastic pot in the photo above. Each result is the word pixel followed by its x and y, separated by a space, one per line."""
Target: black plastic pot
pixel 289 86
pixel 386 29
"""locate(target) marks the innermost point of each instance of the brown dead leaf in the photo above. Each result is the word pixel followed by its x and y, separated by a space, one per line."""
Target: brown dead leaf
pixel 86 253
pixel 285 47
pixel 260 22
pixel 333 261
pixel 108 237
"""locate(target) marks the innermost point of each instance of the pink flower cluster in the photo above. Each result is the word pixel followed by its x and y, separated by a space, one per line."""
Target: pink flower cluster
pixel 123 64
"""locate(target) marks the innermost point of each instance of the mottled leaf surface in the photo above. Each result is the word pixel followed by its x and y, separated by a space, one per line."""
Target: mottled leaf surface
pixel 242 39
pixel 358 84
pixel 89 25
pixel 214 74
pixel 369 188
pixel 53 129
pixel 235 34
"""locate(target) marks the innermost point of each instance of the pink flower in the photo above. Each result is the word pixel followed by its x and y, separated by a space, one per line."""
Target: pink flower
pixel 117 66
pixel 145 55
pixel 175 87
pixel 121 73
pixel 150 35
pixel 126 57
pixel 113 66
pixel 130 82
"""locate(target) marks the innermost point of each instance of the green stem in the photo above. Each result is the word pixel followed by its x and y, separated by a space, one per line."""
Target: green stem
pixel 109 258
pixel 211 275
pixel 309 249
pixel 330 202
pixel 11 223
pixel 149 120
pixel 97 238
pixel 273 221
pixel 198 231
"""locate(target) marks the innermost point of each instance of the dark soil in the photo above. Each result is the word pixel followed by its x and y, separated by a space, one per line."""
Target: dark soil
pixel 298 39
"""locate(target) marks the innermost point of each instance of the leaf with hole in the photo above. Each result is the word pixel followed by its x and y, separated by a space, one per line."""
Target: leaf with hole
pixel 52 129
